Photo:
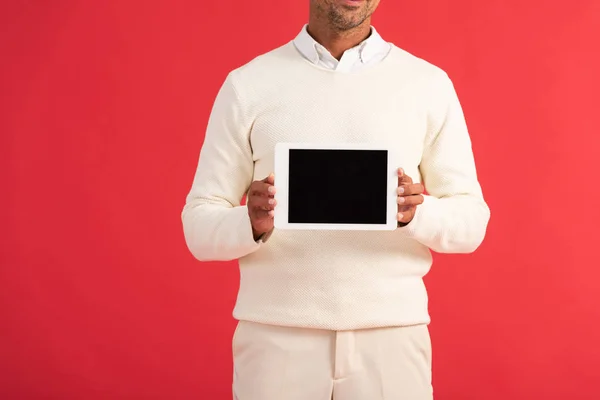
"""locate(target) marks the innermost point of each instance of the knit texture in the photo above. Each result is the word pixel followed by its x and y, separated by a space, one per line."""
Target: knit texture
pixel 330 279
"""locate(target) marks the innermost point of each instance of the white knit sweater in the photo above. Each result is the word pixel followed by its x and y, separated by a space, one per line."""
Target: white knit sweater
pixel 330 279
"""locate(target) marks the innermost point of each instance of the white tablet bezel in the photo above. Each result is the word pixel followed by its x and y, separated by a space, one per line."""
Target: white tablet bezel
pixel 281 184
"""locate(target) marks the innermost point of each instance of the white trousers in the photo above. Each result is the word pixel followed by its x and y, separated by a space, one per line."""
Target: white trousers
pixel 280 363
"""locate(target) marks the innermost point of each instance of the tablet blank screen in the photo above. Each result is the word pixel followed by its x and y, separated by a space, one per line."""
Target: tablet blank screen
pixel 337 186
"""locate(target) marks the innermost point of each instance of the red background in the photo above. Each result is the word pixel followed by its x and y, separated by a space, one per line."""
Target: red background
pixel 103 108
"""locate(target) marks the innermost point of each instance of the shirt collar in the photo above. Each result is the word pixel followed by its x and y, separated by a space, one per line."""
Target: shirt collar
pixel 368 48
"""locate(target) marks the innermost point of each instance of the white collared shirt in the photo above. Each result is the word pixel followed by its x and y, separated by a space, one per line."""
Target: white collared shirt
pixel 367 53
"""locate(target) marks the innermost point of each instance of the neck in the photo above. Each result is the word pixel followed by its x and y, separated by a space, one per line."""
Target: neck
pixel 337 42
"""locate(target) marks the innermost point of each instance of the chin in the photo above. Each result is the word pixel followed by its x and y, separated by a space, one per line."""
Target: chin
pixel 350 24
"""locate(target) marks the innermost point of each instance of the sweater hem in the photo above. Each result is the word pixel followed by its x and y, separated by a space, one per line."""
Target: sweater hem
pixel 357 325
pixel 405 305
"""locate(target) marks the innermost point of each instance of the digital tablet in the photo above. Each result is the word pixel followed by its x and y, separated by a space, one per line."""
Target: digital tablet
pixel 335 187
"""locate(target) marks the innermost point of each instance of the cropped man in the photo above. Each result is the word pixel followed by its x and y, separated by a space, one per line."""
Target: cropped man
pixel 334 314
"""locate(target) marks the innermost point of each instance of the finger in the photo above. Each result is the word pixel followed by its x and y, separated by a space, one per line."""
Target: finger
pixel 262 203
pixel 413 200
pixel 405 216
pixel 263 214
pixel 260 188
pixel 411 189
pixel 403 178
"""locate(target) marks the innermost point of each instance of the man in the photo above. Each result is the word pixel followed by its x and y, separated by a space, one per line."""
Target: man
pixel 327 314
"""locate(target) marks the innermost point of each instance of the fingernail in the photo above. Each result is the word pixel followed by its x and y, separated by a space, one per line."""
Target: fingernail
pixel 271 213
pixel 400 171
pixel 271 189
pixel 400 190
pixel 401 200
pixel 271 201
pixel 400 216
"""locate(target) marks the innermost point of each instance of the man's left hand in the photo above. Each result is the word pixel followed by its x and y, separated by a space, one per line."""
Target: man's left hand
pixel 410 195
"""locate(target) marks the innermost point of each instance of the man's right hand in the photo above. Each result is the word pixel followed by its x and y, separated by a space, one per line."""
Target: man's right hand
pixel 261 204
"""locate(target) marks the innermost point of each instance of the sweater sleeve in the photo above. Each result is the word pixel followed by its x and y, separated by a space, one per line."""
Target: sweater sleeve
pixel 454 215
pixel 215 224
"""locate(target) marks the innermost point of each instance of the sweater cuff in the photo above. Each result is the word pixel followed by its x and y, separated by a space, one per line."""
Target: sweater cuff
pixel 423 224
pixel 247 236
